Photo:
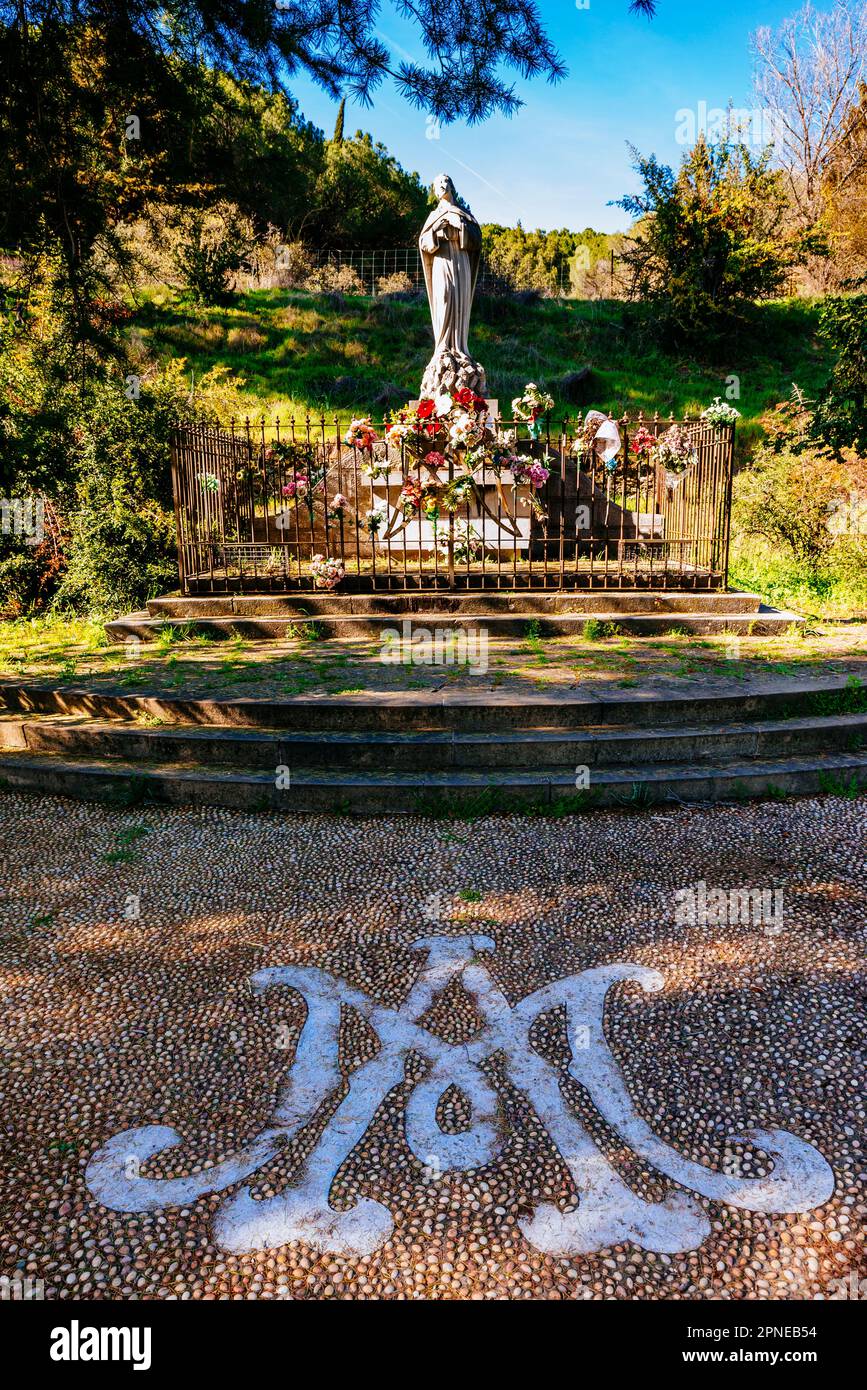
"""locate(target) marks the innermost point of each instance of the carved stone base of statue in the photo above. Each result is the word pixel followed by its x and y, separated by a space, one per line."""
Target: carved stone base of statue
pixel 452 371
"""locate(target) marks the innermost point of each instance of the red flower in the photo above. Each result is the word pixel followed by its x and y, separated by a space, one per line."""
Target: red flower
pixel 435 459
pixel 425 409
pixel 479 404
pixel 465 396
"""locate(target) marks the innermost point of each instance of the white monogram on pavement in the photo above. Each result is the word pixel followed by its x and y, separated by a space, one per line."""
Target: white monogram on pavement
pixel 608 1211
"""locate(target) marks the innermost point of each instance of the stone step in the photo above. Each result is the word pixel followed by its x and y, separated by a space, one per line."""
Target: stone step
pixel 489 711
pixel 476 603
pixel 767 622
pixel 76 736
pixel 431 792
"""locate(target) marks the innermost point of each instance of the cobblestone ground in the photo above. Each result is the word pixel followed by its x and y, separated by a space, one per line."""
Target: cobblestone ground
pixel 557 1159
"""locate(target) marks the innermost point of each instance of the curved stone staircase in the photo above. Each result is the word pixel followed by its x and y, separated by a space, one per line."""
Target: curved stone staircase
pixel 414 753
pixel 503 613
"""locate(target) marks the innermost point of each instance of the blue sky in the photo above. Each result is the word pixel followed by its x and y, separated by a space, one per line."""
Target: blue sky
pixel 561 159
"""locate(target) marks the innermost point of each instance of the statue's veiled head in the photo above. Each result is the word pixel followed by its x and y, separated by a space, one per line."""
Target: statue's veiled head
pixel 444 188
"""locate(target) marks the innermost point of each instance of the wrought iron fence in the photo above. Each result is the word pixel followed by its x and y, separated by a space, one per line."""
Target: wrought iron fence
pixel 255 504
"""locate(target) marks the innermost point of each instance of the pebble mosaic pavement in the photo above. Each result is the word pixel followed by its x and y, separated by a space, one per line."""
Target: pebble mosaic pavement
pixel 127 943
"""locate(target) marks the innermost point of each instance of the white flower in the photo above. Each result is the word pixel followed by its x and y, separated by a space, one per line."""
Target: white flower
pixel 462 429
pixel 443 403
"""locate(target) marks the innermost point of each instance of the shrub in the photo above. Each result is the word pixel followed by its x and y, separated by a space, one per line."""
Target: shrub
pixel 214 246
pixel 121 547
pixel 787 497
pixel 841 411
pixel 335 279
pixel 398 283
pixel 708 240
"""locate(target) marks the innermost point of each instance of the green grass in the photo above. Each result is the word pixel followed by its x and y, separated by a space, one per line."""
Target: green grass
pixel 300 352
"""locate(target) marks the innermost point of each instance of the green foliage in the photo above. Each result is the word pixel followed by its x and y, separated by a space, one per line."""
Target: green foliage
pixel 836 590
pixel 363 197
pixel 709 239
pixel 121 523
pixel 841 410
pixel 214 246
pixel 794 495
pixel 548 262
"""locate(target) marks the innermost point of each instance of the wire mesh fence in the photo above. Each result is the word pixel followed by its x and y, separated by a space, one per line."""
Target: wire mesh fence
pixel 374 270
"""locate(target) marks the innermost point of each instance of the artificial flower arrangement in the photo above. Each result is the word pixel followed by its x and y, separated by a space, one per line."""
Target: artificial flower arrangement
pixel 296 488
pixel 361 434
pixel 305 478
pixel 720 413
pixel 454 428
pixel 467 543
pixel 642 444
pixel 675 449
pixel 531 406
pixel 327 571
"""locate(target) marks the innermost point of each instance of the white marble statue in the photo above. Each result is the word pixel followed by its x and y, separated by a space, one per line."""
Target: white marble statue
pixel 450 243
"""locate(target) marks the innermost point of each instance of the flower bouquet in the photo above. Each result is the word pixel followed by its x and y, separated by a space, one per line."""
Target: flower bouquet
pixel 642 444
pixel 452 433
pixel 410 497
pixel 530 406
pixel 720 413
pixel 675 450
pixel 361 434
pixel 327 571
pixel 467 543
pixel 296 488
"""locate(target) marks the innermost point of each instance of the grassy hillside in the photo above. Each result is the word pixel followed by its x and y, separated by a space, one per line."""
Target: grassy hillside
pixel 358 355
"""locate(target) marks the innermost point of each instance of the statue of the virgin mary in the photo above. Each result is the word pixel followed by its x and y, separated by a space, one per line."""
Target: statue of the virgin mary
pixel 450 243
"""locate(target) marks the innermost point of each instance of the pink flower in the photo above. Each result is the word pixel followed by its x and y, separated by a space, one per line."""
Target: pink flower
pixel 296 487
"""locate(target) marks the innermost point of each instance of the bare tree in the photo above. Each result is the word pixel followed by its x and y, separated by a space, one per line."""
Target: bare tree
pixel 807 75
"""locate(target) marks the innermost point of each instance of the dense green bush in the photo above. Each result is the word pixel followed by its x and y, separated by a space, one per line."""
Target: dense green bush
pixel 211 249
pixel 794 526
pixel 841 411
pixel 95 453
pixel 709 240
pixel 121 548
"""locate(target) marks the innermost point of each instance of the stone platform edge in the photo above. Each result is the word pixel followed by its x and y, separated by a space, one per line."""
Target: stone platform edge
pixel 24 698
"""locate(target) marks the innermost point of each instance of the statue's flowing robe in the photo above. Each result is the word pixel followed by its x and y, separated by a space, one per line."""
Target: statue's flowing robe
pixel 450 257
